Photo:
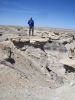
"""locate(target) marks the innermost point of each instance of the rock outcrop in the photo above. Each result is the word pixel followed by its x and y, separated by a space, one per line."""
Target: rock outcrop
pixel 40 67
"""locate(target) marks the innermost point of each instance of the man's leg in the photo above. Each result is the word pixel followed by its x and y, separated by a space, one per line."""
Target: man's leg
pixel 32 31
pixel 29 31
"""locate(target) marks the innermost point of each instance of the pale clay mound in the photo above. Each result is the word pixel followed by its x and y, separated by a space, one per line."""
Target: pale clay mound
pixel 42 67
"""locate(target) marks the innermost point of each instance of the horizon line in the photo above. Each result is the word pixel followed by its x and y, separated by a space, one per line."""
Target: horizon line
pixel 43 27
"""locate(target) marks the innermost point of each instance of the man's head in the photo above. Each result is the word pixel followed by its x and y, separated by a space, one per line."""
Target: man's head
pixel 30 18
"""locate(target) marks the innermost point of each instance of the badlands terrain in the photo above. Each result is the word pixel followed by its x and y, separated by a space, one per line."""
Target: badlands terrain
pixel 39 67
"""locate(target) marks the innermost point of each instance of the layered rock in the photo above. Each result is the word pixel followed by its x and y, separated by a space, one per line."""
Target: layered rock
pixel 39 67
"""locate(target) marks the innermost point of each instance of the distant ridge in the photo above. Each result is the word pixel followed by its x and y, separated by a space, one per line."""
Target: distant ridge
pixel 44 28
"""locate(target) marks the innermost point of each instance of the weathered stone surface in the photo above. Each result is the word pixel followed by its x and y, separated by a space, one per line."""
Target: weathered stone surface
pixel 42 67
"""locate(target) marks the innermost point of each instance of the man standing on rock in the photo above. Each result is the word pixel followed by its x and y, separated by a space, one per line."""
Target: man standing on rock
pixel 31 26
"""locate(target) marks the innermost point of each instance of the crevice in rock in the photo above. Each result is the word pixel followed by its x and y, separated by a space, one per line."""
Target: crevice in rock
pixel 0 34
pixel 50 41
pixel 39 45
pixel 35 45
pixel 49 45
pixel 20 44
pixel 55 46
pixel 65 42
pixel 56 33
pixel 48 69
pixel 10 60
pixel 69 69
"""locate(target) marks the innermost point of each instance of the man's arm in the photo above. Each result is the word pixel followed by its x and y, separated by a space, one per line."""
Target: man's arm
pixel 28 21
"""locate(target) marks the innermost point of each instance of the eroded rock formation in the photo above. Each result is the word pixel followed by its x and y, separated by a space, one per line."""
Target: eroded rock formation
pixel 36 67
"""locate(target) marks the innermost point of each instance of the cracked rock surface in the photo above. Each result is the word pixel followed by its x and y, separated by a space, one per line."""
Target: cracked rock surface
pixel 39 67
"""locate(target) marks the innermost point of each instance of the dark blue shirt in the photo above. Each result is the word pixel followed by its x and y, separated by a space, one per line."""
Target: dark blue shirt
pixel 31 23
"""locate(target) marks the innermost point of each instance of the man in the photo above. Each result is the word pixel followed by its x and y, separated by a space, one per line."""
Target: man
pixel 31 26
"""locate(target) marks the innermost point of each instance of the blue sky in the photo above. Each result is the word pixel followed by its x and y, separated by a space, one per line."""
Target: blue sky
pixel 46 13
